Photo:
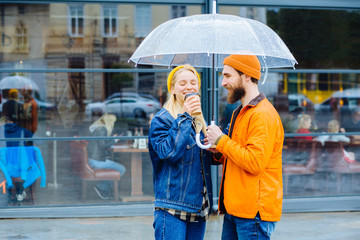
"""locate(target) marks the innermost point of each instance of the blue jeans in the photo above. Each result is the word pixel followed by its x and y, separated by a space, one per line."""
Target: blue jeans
pixel 246 229
pixel 168 227
pixel 107 164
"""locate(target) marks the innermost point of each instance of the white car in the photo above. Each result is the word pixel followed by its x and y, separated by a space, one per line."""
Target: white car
pixel 341 103
pixel 124 107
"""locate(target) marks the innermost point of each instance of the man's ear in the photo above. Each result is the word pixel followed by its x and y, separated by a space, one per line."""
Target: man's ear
pixel 247 77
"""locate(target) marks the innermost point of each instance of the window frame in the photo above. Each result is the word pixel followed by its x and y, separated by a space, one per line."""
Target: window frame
pixel 77 8
pixel 111 18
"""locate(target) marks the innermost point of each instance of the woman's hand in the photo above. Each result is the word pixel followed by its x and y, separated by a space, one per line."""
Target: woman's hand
pixel 192 104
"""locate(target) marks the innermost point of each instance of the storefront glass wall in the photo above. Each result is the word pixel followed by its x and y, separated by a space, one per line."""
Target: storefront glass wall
pixel 70 62
pixel 324 88
pixel 72 58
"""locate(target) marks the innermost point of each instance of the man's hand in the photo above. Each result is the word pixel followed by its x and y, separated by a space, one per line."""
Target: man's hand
pixel 213 133
pixel 206 142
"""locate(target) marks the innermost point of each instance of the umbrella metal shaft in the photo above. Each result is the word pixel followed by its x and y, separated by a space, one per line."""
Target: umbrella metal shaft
pixel 213 88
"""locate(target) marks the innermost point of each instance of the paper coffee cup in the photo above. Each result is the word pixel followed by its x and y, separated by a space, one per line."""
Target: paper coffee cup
pixel 196 112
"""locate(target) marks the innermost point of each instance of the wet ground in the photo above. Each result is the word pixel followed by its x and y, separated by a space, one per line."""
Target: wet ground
pixel 299 226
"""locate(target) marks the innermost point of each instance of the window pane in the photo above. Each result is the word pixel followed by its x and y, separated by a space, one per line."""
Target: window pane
pixel 81 25
pixel 114 26
pixel 106 26
pixel 324 94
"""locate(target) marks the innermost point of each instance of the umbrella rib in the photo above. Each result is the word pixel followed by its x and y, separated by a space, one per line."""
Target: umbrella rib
pixel 168 32
pixel 172 60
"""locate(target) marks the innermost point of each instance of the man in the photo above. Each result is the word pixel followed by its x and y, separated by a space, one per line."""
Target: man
pixel 30 116
pixel 251 189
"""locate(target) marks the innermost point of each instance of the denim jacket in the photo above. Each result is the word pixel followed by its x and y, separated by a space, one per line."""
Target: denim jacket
pixel 176 161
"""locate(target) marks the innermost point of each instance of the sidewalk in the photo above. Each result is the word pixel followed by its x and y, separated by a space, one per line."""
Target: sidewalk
pixel 299 226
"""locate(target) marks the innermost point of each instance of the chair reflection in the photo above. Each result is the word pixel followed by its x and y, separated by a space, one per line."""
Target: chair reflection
pixel 333 161
pixel 303 155
pixel 82 169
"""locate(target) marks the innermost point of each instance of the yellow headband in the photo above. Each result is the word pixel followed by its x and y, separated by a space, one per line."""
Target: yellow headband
pixel 171 74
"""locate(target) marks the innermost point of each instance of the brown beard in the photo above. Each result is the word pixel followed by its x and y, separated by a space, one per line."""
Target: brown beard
pixel 236 95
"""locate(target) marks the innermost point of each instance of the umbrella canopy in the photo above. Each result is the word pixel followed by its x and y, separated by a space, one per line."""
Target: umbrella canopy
pixel 196 38
pixel 205 40
pixel 18 82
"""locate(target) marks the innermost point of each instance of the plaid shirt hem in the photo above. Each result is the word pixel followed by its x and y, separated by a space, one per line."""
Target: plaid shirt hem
pixel 193 217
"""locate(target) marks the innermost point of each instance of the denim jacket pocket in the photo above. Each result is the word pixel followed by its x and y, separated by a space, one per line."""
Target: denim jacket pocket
pixel 188 157
pixel 192 142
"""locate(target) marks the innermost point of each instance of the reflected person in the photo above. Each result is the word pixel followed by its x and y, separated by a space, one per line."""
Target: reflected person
pixel 12 108
pixel 30 111
pixel 304 126
pixel 251 191
pixel 12 130
pixel 98 152
pixel 333 127
pixel 181 170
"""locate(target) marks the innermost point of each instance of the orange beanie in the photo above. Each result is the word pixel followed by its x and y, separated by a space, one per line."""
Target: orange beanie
pixel 248 64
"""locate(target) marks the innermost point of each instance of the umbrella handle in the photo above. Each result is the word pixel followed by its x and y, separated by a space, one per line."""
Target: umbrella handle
pixel 198 142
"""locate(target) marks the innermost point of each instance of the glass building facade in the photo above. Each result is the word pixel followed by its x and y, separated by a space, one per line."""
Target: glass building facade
pixel 63 64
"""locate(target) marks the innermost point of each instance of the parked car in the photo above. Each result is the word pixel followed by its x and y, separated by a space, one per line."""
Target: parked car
pixel 131 94
pixel 125 107
pixel 341 103
pixel 299 100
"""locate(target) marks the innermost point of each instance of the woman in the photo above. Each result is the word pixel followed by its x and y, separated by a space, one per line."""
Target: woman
pixel 334 127
pixel 182 181
pixel 304 126
pixel 98 152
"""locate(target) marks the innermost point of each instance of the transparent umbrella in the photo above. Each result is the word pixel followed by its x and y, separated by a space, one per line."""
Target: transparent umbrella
pixel 205 40
pixel 196 39
pixel 18 82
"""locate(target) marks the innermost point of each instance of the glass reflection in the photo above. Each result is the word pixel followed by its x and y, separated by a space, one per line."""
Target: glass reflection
pixel 66 103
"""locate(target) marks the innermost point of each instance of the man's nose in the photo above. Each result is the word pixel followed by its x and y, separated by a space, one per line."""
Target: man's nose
pixel 223 82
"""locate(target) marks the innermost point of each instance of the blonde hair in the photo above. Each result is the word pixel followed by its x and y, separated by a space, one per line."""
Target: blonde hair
pixel 333 126
pixel 107 120
pixel 174 107
pixel 303 119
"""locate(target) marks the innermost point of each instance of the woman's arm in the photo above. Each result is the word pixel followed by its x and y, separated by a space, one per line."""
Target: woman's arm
pixel 103 144
pixel 170 140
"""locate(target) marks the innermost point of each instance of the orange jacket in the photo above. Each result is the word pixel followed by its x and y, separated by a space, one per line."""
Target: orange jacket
pixel 252 172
